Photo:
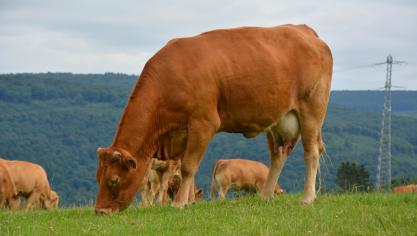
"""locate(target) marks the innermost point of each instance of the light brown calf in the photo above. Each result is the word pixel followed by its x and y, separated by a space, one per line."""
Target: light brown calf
pixel 156 186
pixel 8 194
pixel 32 183
pixel 162 182
pixel 412 188
pixel 239 174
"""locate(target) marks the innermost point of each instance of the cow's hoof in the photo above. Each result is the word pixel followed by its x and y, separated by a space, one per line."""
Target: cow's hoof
pixel 308 199
pixel 178 205
pixel 266 195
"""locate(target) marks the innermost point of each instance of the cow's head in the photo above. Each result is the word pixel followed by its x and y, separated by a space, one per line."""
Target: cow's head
pixel 14 201
pixel 119 176
pixel 53 199
pixel 50 201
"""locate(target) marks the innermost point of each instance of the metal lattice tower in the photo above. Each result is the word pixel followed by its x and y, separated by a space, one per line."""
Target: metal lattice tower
pixel 383 177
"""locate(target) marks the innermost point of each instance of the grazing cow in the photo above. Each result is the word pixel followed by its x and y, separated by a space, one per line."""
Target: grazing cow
pixel 239 174
pixel 8 194
pixel 411 188
pixel 32 183
pixel 246 80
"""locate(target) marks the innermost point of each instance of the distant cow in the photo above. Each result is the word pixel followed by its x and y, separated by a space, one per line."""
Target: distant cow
pixel 239 174
pixel 8 194
pixel 32 183
pixel 412 188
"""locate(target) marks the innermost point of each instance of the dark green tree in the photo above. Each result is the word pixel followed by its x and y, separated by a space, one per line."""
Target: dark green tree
pixel 352 177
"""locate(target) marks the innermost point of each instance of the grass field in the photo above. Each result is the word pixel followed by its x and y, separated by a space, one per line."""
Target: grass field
pixel 332 214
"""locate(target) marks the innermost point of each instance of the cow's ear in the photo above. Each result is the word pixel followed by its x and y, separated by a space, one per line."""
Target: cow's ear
pixel 99 151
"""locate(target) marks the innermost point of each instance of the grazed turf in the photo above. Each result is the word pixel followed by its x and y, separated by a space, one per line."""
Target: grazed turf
pixel 348 214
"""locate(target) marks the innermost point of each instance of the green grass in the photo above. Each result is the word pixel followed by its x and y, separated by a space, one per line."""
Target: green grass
pixel 332 214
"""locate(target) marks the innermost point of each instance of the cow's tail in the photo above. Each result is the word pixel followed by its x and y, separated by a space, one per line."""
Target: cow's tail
pixel 213 181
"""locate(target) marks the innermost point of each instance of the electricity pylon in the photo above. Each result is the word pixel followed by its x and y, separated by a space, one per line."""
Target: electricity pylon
pixel 383 176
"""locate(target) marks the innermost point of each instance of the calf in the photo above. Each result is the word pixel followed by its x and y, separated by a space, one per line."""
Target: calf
pixel 239 174
pixel 8 194
pixel 156 184
pixel 32 183
pixel 162 182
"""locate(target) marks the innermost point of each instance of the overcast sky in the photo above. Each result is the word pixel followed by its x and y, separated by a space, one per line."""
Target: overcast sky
pixel 99 36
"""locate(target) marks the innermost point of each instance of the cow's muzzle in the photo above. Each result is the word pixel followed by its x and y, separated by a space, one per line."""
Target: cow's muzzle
pixel 105 211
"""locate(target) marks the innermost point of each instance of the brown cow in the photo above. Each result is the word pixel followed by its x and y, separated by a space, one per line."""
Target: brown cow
pixel 32 183
pixel 411 188
pixel 8 195
pixel 239 174
pixel 246 80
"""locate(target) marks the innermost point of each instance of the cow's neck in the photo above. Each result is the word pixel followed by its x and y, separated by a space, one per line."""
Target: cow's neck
pixel 139 126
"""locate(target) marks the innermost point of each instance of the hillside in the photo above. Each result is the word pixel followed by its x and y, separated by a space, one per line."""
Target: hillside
pixel 59 119
pixel 402 101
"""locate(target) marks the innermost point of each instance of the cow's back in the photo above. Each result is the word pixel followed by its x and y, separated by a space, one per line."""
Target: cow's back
pixel 250 76
pixel 242 172
pixel 28 176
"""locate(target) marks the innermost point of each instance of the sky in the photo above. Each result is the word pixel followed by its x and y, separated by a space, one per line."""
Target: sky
pixel 98 36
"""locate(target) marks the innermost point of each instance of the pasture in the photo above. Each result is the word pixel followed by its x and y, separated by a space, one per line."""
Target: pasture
pixel 331 214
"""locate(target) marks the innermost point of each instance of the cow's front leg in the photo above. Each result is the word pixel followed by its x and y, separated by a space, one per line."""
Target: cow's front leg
pixel 199 136
pixel 191 194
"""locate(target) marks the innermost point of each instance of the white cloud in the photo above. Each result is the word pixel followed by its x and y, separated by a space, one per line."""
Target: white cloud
pixel 98 36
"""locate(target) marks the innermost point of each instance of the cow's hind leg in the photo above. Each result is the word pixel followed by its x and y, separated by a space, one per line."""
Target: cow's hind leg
pixel 311 121
pixel 277 160
pixel 223 189
pixel 199 136
pixel 313 147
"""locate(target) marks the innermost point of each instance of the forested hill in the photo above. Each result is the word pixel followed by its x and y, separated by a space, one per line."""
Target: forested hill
pixel 402 101
pixel 59 119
